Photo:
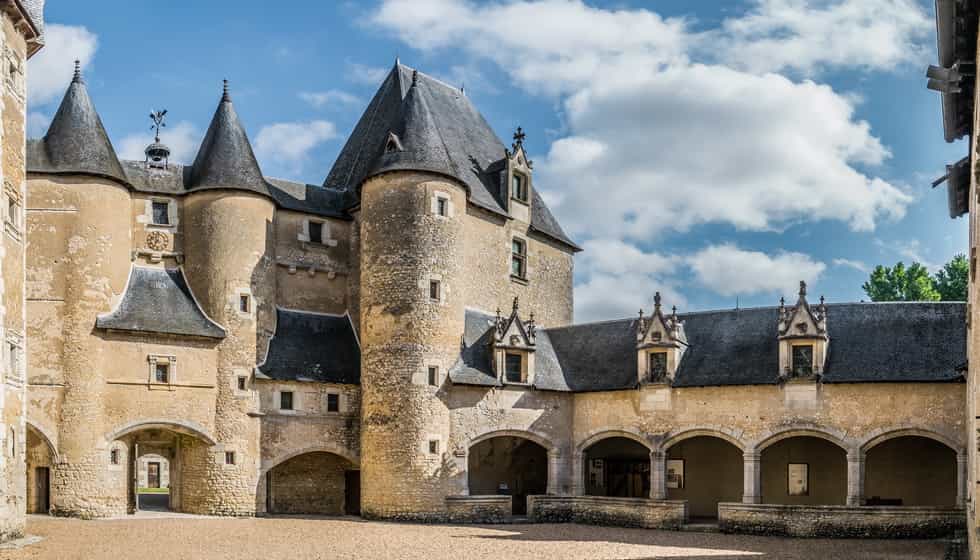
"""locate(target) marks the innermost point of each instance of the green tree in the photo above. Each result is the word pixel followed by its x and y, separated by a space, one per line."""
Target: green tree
pixel 951 281
pixel 898 283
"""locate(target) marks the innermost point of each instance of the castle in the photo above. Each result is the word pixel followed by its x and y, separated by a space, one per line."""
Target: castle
pixel 398 343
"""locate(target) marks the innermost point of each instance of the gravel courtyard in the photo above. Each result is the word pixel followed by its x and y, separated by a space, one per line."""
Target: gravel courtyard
pixel 297 538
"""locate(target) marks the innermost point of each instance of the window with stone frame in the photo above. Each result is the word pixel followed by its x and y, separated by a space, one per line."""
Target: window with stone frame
pixel 161 372
pixel 442 206
pixel 433 379
pixel 435 290
pixel 114 457
pixel 433 447
pixel 513 368
pixel 285 400
pixel 316 231
pixel 161 212
pixel 518 258
pixel 802 360
pixel 657 366
pixel 242 382
pixel 518 189
pixel 229 457
pixel 162 369
pixel 333 402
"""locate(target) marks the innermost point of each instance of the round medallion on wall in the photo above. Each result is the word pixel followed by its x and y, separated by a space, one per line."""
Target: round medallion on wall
pixel 157 240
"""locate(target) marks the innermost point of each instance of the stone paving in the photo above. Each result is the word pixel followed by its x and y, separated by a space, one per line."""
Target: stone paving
pixel 300 538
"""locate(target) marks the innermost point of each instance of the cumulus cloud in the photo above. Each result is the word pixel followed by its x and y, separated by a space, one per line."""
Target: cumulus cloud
pixel 51 69
pixel 183 139
pixel 287 145
pixel 320 99
pixel 728 270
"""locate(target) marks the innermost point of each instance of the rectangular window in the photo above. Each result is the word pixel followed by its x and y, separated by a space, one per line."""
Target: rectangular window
pixel 518 258
pixel 242 382
pixel 433 446
pixel 114 456
pixel 442 206
pixel 244 303
pixel 434 290
pixel 513 368
pixel 286 400
pixel 161 213
pixel 519 187
pixel 229 457
pixel 13 361
pixel 433 376
pixel 333 402
pixel 802 360
pixel 161 372
pixel 658 366
pixel 316 232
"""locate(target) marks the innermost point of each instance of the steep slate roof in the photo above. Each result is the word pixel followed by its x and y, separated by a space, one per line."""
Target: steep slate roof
pixel 158 301
pixel 225 158
pixel 312 347
pixel 869 342
pixel 441 131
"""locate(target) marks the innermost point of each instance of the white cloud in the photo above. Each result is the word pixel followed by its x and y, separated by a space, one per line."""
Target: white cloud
pixel 860 266
pixel 729 270
pixel 319 99
pixel 669 139
pixel 807 35
pixel 37 124
pixel 183 139
pixel 50 71
pixel 365 75
pixel 288 145
pixel 909 251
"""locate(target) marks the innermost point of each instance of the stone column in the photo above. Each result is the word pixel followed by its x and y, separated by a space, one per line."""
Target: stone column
pixel 855 478
pixel 751 477
pixel 554 471
pixel 961 476
pixel 462 467
pixel 658 475
pixel 578 474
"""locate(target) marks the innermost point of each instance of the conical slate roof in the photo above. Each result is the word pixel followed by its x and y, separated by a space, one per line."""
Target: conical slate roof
pixel 225 158
pixel 76 141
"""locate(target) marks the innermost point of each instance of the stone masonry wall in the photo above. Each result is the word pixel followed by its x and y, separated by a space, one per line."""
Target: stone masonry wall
pixel 310 483
pixel 600 510
pixel 841 521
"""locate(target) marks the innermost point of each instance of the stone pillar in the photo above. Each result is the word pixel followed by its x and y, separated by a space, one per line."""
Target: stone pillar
pixel 578 474
pixel 554 471
pixel 855 478
pixel 751 478
pixel 658 475
pixel 961 479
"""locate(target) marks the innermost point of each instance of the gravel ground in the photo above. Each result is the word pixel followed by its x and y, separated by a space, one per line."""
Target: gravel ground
pixel 299 538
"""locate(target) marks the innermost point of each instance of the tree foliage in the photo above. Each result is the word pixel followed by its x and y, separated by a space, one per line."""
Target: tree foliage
pixel 914 283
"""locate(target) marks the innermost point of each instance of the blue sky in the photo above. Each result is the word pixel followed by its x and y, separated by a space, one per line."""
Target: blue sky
pixel 707 151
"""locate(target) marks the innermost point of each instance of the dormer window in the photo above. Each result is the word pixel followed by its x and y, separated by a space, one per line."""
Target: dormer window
pixel 658 366
pixel 802 365
pixel 660 345
pixel 514 368
pixel 803 339
pixel 513 348
pixel 518 188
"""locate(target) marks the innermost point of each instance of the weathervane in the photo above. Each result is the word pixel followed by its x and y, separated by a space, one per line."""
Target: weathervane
pixel 157 117
pixel 519 138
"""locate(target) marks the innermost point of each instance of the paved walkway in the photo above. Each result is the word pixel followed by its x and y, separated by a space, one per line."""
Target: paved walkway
pixel 301 538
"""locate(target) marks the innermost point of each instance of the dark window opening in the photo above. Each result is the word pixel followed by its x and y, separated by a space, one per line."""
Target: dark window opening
pixel 242 380
pixel 114 456
pixel 802 360
pixel 434 290
pixel 162 372
pixel 658 366
pixel 244 303
pixel 433 446
pixel 433 376
pixel 442 206
pixel 316 232
pixel 229 457
pixel 518 258
pixel 519 188
pixel 286 400
pixel 333 402
pixel 161 213
pixel 513 368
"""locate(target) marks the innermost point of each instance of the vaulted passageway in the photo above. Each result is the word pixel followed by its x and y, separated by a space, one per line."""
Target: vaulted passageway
pixel 508 465
pixel 910 471
pixel 617 466
pixel 318 483
pixel 804 470
pixel 704 470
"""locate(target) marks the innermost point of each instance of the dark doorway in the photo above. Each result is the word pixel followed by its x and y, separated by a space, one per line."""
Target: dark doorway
pixel 42 489
pixel 617 466
pixel 317 483
pixel 352 492
pixel 153 475
pixel 508 466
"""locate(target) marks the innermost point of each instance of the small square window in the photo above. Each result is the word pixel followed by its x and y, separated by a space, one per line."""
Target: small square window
pixel 433 446
pixel 114 456
pixel 435 290
pixel 161 212
pixel 802 360
pixel 229 457
pixel 513 368
pixel 286 400
pixel 161 372
pixel 519 187
pixel 433 376
pixel 442 206
pixel 316 232
pixel 242 382
pixel 244 303
pixel 333 402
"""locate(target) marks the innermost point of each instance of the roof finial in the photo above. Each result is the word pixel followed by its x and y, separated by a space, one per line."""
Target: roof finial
pixel 224 91
pixel 77 78
pixel 415 78
pixel 802 288
pixel 656 302
pixel 519 138
pixel 515 304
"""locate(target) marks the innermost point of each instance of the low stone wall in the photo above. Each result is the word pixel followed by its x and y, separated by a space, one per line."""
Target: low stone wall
pixel 841 521
pixel 478 509
pixel 602 510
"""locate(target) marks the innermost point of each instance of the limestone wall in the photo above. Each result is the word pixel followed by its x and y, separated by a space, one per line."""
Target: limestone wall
pixel 311 275
pixel 601 510
pixel 840 521
pixel 310 483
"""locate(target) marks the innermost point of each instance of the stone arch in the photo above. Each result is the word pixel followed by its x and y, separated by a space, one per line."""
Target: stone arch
pixel 335 450
pixel 720 432
pixel 882 435
pixel 537 437
pixel 833 435
pixel 317 485
pixel 179 426
pixel 596 436
pixel 45 436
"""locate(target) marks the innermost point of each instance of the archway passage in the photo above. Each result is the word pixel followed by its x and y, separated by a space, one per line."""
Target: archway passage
pixel 40 458
pixel 804 470
pixel 160 469
pixel 508 465
pixel 617 466
pixel 910 471
pixel 704 470
pixel 153 481
pixel 318 483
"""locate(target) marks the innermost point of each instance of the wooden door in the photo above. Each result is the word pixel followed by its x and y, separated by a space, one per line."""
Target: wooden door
pixel 42 489
pixel 352 492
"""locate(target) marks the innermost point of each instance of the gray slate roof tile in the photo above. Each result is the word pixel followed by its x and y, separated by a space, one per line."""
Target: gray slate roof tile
pixel 312 347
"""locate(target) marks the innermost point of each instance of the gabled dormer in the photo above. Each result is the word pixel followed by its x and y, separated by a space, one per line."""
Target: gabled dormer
pixel 660 345
pixel 803 340
pixel 516 179
pixel 513 348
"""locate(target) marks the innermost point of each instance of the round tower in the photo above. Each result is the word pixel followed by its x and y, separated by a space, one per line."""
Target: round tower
pixel 411 234
pixel 228 243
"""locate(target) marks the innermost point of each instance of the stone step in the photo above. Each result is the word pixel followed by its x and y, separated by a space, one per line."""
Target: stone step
pixel 700 527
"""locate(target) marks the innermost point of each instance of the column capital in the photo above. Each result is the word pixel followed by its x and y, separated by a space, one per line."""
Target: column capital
pixel 657 454
pixel 554 453
pixel 751 456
